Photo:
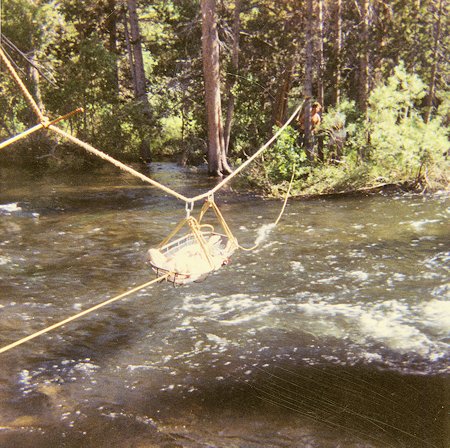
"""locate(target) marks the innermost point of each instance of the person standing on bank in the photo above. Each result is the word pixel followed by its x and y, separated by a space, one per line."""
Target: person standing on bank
pixel 314 124
pixel 315 117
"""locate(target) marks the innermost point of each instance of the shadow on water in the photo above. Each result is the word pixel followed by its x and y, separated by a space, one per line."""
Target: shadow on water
pixel 283 406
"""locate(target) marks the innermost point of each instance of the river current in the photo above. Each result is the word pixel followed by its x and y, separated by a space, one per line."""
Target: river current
pixel 334 332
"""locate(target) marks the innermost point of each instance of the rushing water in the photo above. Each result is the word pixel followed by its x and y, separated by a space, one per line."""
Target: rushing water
pixel 332 333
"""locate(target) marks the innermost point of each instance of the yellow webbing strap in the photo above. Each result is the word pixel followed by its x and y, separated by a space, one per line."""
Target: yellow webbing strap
pixel 211 204
pixel 287 196
pixel 83 313
pixel 173 233
pixel 196 230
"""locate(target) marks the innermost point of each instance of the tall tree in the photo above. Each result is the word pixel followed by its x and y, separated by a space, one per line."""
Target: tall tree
pixel 436 58
pixel 363 91
pixel 320 60
pixel 309 46
pixel 139 77
pixel 111 26
pixel 217 163
pixel 234 72
pixel 337 50
pixel 281 100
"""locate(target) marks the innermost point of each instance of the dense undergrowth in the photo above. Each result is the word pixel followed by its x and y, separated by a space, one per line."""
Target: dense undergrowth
pixel 394 145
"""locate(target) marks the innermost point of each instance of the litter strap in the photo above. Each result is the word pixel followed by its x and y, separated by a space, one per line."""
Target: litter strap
pixel 82 313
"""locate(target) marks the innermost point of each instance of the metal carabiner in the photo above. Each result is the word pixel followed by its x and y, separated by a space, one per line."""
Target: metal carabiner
pixel 189 207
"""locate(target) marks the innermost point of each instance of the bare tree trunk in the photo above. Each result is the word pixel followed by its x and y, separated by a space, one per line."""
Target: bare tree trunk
pixel 140 80
pixel 364 58
pixel 309 36
pixel 136 47
pixel 129 52
pixel 281 100
pixel 111 25
pixel 338 51
pixel 217 164
pixel 35 80
pixel 232 79
pixel 320 62
pixel 320 71
pixel 434 67
pixel 363 91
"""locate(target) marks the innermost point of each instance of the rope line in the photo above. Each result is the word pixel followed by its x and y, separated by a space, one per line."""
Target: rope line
pixel 120 165
pixel 249 160
pixel 22 87
pixel 20 136
pixel 82 313
pixel 287 196
pixel 44 124
pixel 50 125
pixel 188 200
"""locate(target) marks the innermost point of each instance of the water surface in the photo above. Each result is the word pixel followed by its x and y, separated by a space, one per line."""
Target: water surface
pixel 332 333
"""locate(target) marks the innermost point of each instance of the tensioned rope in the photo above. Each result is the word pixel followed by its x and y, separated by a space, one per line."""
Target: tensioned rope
pixel 22 87
pixel 50 125
pixel 45 123
pixel 82 313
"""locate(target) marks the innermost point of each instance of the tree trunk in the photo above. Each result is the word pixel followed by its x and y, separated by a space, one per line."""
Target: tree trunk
pixel 364 59
pixel 281 100
pixel 337 51
pixel 136 48
pixel 320 62
pixel 129 52
pixel 434 67
pixel 35 81
pixel 309 36
pixel 111 25
pixel 217 164
pixel 140 80
pixel 234 71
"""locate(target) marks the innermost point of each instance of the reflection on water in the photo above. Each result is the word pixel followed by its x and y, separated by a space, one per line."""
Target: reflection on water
pixel 332 333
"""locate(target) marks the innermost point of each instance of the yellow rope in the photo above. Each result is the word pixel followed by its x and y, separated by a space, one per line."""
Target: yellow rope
pixel 211 204
pixel 287 196
pixel 248 249
pixel 22 87
pixel 83 313
pixel 168 190
pixel 44 124
pixel 122 166
pixel 248 161
pixel 195 228
pixel 21 135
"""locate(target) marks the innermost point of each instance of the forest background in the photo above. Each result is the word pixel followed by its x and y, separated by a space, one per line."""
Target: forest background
pixel 141 72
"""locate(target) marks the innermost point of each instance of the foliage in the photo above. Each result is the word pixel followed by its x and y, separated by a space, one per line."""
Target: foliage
pixel 285 156
pixel 403 147
pixel 81 47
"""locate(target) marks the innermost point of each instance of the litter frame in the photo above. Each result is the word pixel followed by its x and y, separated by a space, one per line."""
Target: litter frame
pixel 170 250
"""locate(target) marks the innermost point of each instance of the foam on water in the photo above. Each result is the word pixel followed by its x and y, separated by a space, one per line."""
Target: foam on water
pixel 420 225
pixel 398 326
pixel 231 310
pixel 13 207
pixel 264 232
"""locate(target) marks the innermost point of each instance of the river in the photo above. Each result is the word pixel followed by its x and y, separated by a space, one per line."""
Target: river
pixel 332 333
